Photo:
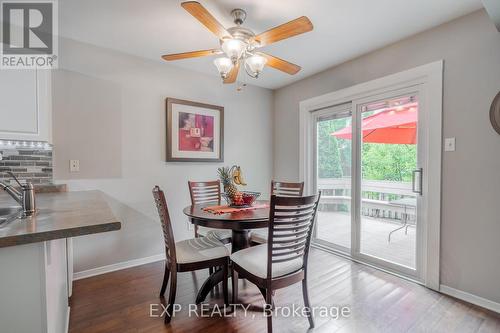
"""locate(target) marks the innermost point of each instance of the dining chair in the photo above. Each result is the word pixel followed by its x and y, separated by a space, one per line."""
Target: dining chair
pixel 283 260
pixel 282 189
pixel 208 192
pixel 187 255
pixel 286 189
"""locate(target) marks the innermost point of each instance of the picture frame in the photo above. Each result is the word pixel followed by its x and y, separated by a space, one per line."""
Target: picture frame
pixel 195 131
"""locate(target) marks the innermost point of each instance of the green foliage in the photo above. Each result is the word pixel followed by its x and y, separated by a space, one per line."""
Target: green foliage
pixel 388 161
pixel 379 161
pixel 334 155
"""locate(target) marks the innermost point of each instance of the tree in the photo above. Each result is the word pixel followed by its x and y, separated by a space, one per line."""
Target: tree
pixel 334 155
pixel 394 162
pixel 388 161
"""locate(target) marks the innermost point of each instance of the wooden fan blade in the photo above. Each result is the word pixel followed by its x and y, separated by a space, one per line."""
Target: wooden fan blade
pixel 280 64
pixel 287 30
pixel 186 55
pixel 201 14
pixel 233 74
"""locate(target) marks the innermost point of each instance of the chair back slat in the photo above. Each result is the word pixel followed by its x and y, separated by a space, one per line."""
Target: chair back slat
pixel 284 189
pixel 295 251
pixel 299 216
pixel 204 192
pixel 291 222
pixel 298 239
pixel 168 234
pixel 294 245
pixel 292 235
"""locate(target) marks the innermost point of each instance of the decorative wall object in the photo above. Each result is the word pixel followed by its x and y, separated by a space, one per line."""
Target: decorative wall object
pixel 495 113
pixel 195 131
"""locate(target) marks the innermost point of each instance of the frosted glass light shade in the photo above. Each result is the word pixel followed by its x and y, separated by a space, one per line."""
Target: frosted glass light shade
pixel 256 63
pixel 223 65
pixel 234 48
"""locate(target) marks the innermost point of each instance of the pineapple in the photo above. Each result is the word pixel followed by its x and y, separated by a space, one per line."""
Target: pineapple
pixel 225 176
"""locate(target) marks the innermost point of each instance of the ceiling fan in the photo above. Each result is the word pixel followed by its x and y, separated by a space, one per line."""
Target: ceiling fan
pixel 239 45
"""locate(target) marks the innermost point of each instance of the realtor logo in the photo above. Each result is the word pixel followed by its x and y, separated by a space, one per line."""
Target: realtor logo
pixel 29 34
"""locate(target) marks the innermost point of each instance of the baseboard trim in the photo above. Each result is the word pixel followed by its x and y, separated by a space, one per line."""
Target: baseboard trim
pixel 67 320
pixel 473 299
pixel 118 266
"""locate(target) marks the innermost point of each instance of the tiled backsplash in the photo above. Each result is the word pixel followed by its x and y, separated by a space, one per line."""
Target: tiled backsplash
pixel 32 165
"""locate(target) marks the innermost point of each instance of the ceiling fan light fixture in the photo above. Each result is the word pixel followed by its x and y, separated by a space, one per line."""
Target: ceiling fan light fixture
pixel 224 66
pixel 239 44
pixel 255 64
pixel 234 48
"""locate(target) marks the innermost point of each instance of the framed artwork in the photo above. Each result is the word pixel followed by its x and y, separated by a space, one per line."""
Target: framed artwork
pixel 195 131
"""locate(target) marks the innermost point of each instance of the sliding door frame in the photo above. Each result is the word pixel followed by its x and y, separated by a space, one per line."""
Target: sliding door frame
pixel 316 116
pixel 422 162
pixel 429 79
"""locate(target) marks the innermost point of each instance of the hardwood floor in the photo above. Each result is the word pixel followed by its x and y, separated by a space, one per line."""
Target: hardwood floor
pixel 379 302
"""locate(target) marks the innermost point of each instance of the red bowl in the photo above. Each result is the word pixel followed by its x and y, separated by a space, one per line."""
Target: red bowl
pixel 250 197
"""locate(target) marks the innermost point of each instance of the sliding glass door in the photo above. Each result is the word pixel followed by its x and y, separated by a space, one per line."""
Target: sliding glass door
pixel 333 177
pixel 388 160
pixel 367 165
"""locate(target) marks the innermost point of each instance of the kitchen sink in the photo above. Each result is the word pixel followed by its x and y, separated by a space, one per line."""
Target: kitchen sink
pixel 8 214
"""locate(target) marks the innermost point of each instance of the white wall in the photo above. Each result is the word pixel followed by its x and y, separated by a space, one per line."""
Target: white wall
pixel 134 91
pixel 470 47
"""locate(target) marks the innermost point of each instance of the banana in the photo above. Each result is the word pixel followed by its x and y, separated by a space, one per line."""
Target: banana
pixel 240 177
pixel 237 177
pixel 234 174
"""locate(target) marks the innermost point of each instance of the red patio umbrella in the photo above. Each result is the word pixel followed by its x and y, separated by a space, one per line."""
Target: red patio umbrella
pixel 387 126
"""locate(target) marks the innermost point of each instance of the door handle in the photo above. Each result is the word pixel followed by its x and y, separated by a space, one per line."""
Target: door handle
pixel 414 181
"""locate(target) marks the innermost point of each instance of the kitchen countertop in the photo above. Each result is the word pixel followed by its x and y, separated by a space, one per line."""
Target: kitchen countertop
pixel 59 215
pixel 50 188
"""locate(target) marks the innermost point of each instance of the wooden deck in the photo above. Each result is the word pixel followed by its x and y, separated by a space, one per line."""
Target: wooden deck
pixel 335 227
pixel 379 302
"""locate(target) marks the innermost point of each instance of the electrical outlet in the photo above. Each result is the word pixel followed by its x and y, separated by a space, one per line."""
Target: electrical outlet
pixel 449 144
pixel 190 226
pixel 74 165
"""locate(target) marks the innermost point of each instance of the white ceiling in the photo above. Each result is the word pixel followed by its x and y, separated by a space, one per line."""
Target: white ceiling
pixel 343 29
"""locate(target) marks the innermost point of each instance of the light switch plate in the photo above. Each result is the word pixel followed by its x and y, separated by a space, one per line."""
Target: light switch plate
pixel 449 144
pixel 74 165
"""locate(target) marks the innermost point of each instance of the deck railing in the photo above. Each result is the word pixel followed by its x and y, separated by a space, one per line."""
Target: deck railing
pixel 378 197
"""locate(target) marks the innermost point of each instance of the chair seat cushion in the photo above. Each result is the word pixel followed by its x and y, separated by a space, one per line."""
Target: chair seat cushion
pixel 254 261
pixel 220 234
pixel 259 235
pixel 199 249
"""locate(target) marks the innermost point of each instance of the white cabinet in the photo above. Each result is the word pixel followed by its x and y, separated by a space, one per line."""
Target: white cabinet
pixel 34 288
pixel 56 286
pixel 25 105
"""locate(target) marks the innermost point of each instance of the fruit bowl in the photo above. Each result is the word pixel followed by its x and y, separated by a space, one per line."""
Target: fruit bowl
pixel 246 200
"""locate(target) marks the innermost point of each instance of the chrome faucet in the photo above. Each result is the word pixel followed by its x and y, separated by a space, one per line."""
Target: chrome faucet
pixel 25 197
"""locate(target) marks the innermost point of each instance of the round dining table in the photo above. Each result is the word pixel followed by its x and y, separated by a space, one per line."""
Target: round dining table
pixel 240 223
